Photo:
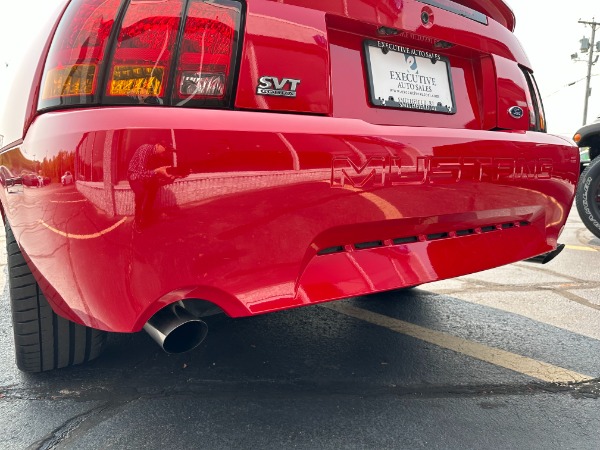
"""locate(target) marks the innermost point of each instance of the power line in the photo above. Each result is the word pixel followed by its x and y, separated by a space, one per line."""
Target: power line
pixel 569 85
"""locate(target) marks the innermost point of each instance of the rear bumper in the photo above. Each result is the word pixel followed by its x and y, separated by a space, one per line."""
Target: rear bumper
pixel 279 210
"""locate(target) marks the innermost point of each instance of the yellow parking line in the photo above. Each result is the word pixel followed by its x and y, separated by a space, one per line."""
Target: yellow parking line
pixel 388 210
pixel 581 248
pixel 84 236
pixel 69 201
pixel 527 366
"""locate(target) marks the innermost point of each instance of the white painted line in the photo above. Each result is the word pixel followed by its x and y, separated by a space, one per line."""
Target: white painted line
pixel 521 364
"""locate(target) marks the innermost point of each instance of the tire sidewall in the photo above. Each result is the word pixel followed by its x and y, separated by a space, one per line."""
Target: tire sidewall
pixel 585 197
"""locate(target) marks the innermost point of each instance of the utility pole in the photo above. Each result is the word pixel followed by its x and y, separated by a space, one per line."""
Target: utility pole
pixel 591 62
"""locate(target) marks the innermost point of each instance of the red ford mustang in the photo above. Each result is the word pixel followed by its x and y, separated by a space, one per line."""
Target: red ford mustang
pixel 249 156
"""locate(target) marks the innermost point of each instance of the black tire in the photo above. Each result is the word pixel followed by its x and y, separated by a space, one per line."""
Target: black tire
pixel 587 197
pixel 43 340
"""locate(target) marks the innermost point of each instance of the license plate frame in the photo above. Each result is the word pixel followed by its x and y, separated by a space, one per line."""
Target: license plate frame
pixel 401 77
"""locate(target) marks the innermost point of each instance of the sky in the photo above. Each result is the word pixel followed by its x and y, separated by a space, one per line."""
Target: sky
pixel 549 34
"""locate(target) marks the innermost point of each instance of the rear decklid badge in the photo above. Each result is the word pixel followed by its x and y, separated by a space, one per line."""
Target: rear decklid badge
pixel 516 112
pixel 286 87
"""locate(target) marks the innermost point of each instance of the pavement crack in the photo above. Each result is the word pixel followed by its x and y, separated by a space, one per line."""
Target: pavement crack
pixel 587 389
pixel 488 286
pixel 208 388
pixel 79 425
pixel 61 433
pixel 577 299
pixel 583 236
pixel 545 270
pixel 561 288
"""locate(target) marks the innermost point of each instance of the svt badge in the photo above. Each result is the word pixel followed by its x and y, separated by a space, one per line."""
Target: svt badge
pixel 286 87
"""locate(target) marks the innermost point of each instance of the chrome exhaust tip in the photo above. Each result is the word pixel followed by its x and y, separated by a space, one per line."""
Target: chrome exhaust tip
pixel 175 329
pixel 547 257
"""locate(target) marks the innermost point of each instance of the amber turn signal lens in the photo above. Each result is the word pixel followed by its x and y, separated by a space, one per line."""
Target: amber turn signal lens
pixel 577 137
pixel 70 80
pixel 135 81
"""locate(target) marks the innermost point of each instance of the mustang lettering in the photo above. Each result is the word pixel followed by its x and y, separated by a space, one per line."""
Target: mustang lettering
pixel 395 171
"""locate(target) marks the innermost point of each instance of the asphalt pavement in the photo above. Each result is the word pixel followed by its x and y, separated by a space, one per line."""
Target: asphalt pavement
pixel 503 359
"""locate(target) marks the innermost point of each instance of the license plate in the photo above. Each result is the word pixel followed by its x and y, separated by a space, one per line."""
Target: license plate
pixel 405 78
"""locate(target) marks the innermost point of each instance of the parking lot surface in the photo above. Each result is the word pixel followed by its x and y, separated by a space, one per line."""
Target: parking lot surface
pixel 507 358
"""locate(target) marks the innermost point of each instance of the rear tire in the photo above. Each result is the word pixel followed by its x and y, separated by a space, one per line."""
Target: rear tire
pixel 43 340
pixel 586 197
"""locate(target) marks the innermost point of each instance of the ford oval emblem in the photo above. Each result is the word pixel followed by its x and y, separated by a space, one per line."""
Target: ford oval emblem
pixel 516 112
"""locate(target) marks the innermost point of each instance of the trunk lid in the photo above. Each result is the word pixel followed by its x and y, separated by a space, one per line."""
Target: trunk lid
pixel 437 59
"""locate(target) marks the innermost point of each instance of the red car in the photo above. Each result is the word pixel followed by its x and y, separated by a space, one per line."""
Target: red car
pixel 254 156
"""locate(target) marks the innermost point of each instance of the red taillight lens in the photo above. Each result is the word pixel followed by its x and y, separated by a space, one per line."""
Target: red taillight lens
pixel 149 57
pixel 76 54
pixel 208 51
pixel 141 63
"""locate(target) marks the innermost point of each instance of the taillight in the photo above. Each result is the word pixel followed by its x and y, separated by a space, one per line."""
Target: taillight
pixel 537 117
pixel 149 57
pixel 208 53
pixel 73 65
pixel 140 68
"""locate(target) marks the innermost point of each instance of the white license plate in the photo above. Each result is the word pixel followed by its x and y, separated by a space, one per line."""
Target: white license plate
pixel 405 78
